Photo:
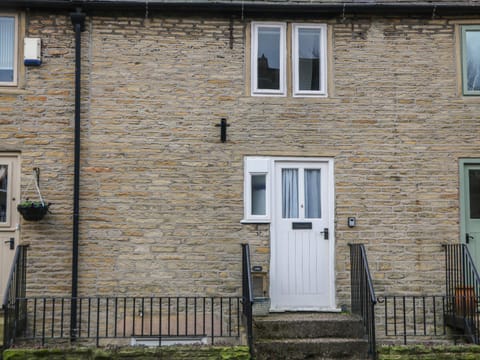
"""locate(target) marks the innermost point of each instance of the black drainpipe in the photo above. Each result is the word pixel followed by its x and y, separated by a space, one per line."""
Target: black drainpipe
pixel 78 21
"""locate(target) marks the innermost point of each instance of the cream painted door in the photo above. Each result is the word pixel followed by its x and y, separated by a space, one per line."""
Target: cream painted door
pixel 301 276
pixel 9 217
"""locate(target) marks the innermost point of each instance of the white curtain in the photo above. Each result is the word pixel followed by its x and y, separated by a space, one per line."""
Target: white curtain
pixel 289 193
pixel 312 194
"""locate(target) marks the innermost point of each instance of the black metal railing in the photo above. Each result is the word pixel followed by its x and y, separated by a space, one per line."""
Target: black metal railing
pixel 413 316
pixel 363 294
pixel 15 313
pixel 247 295
pixel 158 319
pixel 463 291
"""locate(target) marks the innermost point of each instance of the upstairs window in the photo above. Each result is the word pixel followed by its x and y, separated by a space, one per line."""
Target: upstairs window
pixel 268 58
pixel 309 65
pixel 305 55
pixel 471 59
pixel 8 49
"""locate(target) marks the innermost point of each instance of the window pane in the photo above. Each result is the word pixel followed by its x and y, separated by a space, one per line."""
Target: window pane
pixel 309 59
pixel 472 53
pixel 268 58
pixel 259 194
pixel 7 48
pixel 289 193
pixel 474 181
pixel 312 194
pixel 3 192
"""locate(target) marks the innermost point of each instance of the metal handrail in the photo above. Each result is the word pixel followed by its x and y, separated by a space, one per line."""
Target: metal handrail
pixel 14 314
pixel 462 282
pixel 363 294
pixel 247 295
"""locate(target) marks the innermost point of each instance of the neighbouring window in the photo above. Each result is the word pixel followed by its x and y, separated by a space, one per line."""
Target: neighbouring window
pixel 268 58
pixel 309 60
pixel 471 59
pixel 8 49
pixel 257 189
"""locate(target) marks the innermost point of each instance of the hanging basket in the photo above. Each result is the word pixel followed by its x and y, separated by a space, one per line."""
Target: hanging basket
pixel 33 210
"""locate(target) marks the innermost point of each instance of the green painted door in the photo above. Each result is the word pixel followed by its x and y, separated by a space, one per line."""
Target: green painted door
pixel 471 210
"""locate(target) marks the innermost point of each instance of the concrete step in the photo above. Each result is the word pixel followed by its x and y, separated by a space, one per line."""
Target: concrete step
pixel 312 336
pixel 308 325
pixel 312 349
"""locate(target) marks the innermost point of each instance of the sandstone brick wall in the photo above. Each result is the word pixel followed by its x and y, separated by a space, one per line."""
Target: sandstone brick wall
pixel 162 198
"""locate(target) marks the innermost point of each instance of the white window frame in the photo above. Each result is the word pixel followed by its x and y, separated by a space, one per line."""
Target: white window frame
pixel 254 165
pixel 254 59
pixel 15 59
pixel 322 92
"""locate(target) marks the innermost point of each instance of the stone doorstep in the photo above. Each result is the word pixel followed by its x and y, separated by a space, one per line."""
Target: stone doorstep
pixel 309 336
pixel 322 348
pixel 308 325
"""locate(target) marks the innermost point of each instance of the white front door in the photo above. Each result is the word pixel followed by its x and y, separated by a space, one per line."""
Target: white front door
pixel 9 217
pixel 302 274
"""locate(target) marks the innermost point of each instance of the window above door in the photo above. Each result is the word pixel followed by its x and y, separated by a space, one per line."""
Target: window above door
pixel 272 56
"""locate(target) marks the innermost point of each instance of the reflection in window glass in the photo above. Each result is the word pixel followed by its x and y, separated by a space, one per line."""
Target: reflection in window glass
pixel 289 193
pixel 7 48
pixel 309 59
pixel 474 187
pixel 3 192
pixel 268 58
pixel 472 53
pixel 259 198
pixel 312 194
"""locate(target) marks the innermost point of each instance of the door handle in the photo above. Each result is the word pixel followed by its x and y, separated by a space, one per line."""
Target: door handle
pixel 468 237
pixel 11 242
pixel 325 233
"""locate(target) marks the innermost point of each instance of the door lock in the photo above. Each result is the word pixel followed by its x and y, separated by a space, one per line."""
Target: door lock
pixel 468 237
pixel 325 233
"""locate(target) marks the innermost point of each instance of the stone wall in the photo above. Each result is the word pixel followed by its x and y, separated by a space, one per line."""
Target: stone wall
pixel 162 197
pixel 169 352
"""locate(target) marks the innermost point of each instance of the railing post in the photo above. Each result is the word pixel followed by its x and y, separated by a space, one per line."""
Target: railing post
pixel 247 295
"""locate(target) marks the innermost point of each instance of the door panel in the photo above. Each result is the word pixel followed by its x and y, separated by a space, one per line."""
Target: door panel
pixel 9 193
pixel 302 256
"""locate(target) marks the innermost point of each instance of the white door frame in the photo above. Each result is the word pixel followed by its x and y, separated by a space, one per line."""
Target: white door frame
pixel 330 221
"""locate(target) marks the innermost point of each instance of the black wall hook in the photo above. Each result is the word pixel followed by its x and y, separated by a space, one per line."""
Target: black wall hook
pixel 223 129
pixel 36 170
